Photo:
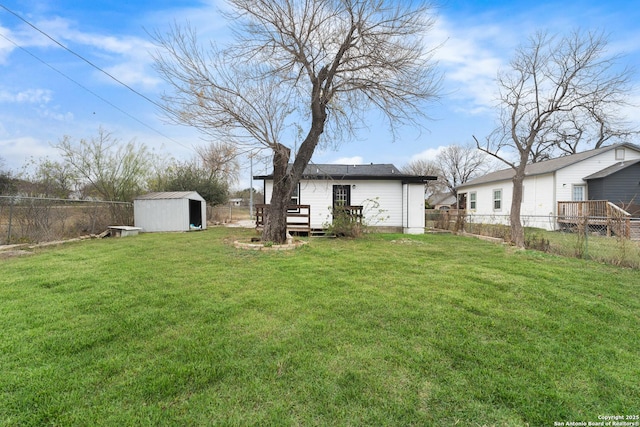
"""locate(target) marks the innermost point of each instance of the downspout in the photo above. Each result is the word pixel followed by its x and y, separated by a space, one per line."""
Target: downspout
pixel 407 207
pixel 554 206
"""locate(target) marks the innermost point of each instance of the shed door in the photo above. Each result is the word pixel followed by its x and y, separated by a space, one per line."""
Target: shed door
pixel 195 212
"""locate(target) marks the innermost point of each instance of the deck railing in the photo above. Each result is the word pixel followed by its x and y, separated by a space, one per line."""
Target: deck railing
pixel 595 212
pixel 298 217
pixel 354 213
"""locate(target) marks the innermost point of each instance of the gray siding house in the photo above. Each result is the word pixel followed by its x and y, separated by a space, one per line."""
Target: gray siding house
pixel 620 184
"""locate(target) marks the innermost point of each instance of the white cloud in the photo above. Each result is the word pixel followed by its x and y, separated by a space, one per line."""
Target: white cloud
pixel 428 154
pixel 125 57
pixel 355 160
pixel 6 47
pixel 16 151
pixel 29 96
pixel 470 58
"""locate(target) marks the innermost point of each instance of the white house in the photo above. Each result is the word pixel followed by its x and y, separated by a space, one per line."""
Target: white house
pixel 578 177
pixel 170 211
pixel 391 201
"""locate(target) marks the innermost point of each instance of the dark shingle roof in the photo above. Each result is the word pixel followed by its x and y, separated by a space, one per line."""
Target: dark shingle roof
pixel 545 167
pixel 370 171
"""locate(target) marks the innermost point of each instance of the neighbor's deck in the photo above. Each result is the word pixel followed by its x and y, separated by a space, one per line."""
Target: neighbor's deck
pixel 598 213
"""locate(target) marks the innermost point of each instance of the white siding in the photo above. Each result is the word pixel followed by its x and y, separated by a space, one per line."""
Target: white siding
pixel 382 200
pixel 171 214
pixel 162 215
pixel 413 212
pixel 541 192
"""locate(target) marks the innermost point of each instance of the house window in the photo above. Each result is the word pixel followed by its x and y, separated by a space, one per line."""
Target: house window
pixel 619 153
pixel 295 199
pixel 341 195
pixel 472 200
pixel 579 193
pixel 497 200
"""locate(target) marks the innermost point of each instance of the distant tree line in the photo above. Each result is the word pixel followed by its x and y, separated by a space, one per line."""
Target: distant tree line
pixel 104 168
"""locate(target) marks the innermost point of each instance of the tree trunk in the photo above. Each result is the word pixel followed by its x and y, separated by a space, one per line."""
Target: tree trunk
pixel 284 179
pixel 275 223
pixel 517 231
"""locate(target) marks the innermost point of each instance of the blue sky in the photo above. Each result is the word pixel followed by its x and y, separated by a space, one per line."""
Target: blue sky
pixel 47 92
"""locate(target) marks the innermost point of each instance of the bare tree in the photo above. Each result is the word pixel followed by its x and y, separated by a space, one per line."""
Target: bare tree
pixel 191 176
pixel 7 181
pixel 50 178
pixel 453 165
pixel 461 163
pixel 221 161
pixel 114 171
pixel 558 92
pixel 426 167
pixel 318 65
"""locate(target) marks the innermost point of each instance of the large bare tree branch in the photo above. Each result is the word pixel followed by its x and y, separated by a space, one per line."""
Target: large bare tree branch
pixel 318 65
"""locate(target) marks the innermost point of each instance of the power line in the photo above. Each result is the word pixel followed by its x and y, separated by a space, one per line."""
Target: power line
pixel 94 66
pixel 83 58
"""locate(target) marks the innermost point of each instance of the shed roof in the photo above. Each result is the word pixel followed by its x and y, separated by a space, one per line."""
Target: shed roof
pixel 171 195
pixel 361 172
pixel 547 166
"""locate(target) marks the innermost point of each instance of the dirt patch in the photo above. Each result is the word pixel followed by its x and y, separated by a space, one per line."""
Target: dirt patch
pixel 14 253
pixel 261 246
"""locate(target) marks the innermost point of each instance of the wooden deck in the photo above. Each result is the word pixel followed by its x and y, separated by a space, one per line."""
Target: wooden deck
pixel 597 213
pixel 299 218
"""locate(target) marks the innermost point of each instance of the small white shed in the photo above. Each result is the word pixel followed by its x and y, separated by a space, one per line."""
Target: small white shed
pixel 170 211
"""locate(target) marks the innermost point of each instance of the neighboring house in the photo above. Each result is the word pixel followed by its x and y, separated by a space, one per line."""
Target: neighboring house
pixel 170 211
pixel 609 173
pixel 390 200
pixel 443 201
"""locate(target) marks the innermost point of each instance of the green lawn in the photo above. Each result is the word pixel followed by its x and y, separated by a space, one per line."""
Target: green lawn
pixel 184 329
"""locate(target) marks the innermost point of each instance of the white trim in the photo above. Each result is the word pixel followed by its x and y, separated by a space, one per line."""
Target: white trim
pixel 494 199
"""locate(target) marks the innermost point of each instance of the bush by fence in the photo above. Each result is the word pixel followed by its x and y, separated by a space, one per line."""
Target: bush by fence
pixel 612 242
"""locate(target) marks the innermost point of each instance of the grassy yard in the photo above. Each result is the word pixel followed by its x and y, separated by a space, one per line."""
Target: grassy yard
pixel 184 329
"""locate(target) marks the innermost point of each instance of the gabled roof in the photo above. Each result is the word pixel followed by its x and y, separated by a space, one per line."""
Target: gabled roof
pixel 442 199
pixel 545 167
pixel 170 195
pixel 359 172
pixel 612 169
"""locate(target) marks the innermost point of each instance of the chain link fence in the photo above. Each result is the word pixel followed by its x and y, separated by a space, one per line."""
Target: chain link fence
pixel 35 219
pixel 612 241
